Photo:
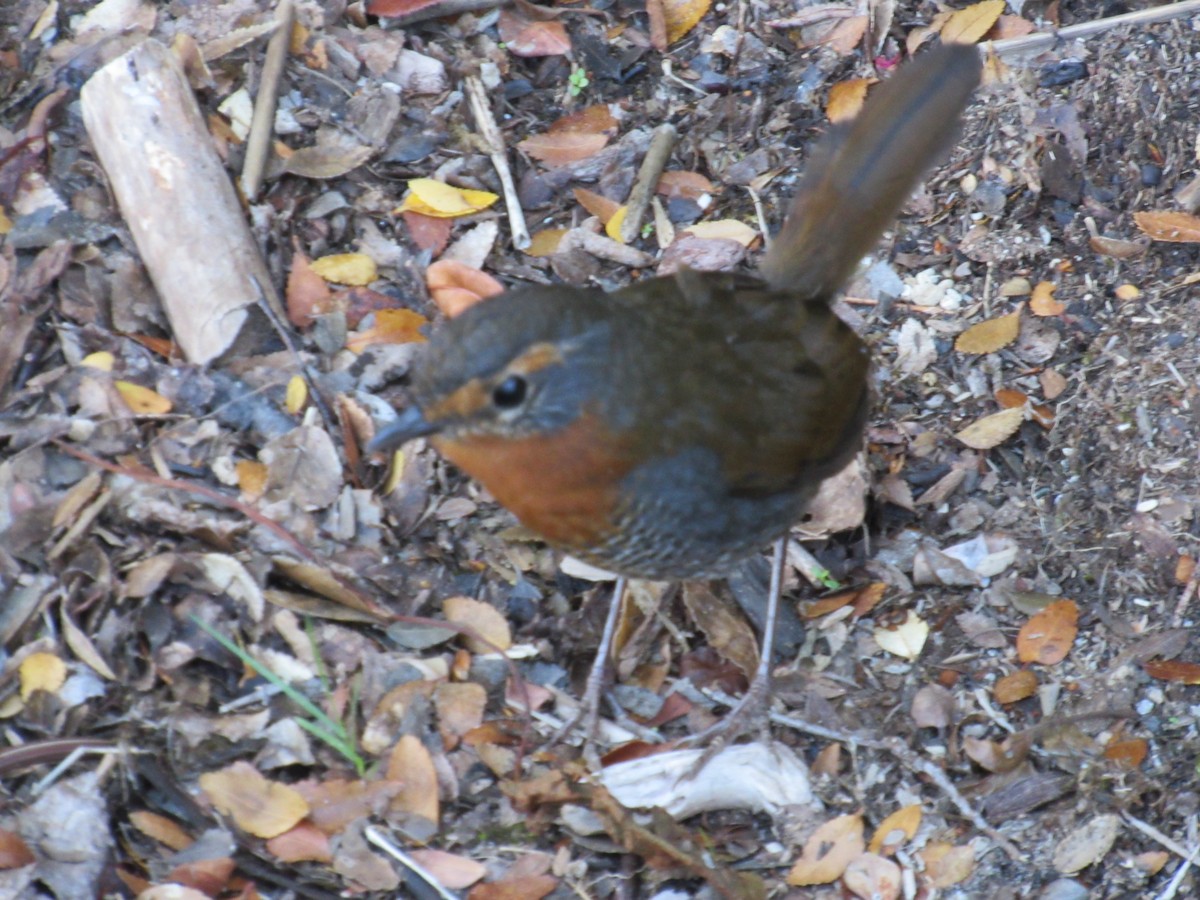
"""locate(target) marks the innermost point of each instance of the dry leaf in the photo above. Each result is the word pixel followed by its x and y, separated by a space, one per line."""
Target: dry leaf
pixel 308 294
pixel 525 36
pixel 895 830
pixel 141 400
pixel 828 852
pixel 159 828
pixel 597 119
pixel 484 618
pixel 1129 753
pixel 258 806
pixel 1174 670
pixel 872 877
pixel 296 396
pixel 1015 686
pixel 905 640
pixel 1042 303
pixel 460 708
pixel 724 229
pixel 451 870
pixel 346 268
pixel 684 185
pixel 993 430
pixel 968 25
pixel 681 16
pixel 304 843
pixel 600 207
pixel 947 865
pixel 444 201
pixel 932 707
pixel 1173 227
pixel 1087 844
pixel 990 336
pixel 455 286
pixel 1053 384
pixel 546 241
pixel 846 99
pixel 41 672
pixel 562 148
pixel 1047 637
pixel 411 765
pixel 392 326
pixel 612 227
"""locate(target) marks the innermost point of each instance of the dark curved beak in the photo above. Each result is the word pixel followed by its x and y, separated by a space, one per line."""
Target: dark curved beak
pixel 408 425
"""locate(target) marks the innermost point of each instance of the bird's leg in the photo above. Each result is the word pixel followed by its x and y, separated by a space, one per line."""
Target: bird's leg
pixel 597 681
pixel 752 711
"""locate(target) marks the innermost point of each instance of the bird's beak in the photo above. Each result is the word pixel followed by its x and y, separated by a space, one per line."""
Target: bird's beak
pixel 408 425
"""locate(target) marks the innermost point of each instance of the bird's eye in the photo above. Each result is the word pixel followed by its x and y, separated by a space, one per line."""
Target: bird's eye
pixel 510 393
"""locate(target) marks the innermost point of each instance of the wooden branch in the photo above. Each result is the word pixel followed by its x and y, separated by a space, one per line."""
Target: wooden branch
pixel 1033 42
pixel 179 203
pixel 258 143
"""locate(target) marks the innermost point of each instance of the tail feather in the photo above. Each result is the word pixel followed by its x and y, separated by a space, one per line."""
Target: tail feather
pixel 860 177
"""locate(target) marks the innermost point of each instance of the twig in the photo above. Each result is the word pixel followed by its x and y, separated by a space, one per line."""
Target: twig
pixel 909 759
pixel 490 132
pixel 1032 42
pixel 380 840
pixel 1189 591
pixel 259 140
pixel 1190 857
pixel 653 164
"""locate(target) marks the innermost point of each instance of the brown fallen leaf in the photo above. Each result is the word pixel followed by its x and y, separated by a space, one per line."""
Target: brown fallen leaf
pixel 993 430
pixel 990 336
pixel 1173 227
pixel 1047 637
pixel 966 26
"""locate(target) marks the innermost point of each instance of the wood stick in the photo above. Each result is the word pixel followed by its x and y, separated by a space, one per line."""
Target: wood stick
pixel 490 132
pixel 258 144
pixel 179 203
pixel 647 179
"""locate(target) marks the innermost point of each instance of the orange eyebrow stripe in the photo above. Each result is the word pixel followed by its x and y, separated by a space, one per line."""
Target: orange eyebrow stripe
pixel 540 356
pixel 461 403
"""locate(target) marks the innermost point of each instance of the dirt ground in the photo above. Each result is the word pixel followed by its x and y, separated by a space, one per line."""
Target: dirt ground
pixel 1011 639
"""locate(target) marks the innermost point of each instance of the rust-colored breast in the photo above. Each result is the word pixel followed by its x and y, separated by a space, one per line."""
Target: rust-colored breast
pixel 564 486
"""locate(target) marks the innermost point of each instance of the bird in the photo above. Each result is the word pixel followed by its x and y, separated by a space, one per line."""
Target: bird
pixel 669 429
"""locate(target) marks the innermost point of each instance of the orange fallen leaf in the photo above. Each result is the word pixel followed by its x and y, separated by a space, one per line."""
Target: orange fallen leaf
pixel 1042 302
pixel 563 148
pixel 392 326
pixel 525 36
pixel 1015 686
pixel 257 805
pixel 1173 227
pixel 1174 670
pixel 1130 752
pixel 1047 637
pixel 455 286
pixel 597 205
pixel 846 99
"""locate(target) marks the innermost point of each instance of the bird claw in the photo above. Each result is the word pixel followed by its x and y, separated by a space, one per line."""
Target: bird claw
pixel 750 715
